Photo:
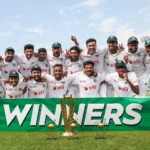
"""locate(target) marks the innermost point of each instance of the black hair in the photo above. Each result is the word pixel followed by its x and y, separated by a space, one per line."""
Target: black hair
pixel 57 65
pixel 28 46
pixel 90 40
pixel 42 50
pixel 76 48
pixel 88 63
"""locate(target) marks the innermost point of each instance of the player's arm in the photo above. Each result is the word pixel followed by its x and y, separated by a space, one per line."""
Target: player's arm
pixel 74 39
pixel 135 88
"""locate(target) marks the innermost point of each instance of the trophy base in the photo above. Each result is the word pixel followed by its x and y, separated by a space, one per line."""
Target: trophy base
pixel 67 134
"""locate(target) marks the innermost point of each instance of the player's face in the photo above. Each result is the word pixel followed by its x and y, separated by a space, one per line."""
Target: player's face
pixel 121 70
pixel 74 56
pixel 56 51
pixel 112 47
pixel 42 56
pixel 29 53
pixel 133 47
pixel 91 48
pixel 148 50
pixel 9 56
pixel 89 69
pixel 58 72
pixel 13 81
pixel 36 75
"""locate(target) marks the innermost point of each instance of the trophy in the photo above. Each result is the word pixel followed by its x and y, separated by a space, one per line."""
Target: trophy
pixel 52 135
pixel 101 129
pixel 68 119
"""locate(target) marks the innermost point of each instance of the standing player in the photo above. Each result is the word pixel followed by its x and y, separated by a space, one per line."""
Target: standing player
pixel 73 65
pixel 56 57
pixel 8 63
pixel 89 85
pixel 125 83
pixel 58 85
pixel 36 87
pixel 147 61
pixel 110 59
pixel 136 58
pixel 26 61
pixel 14 87
pixel 42 61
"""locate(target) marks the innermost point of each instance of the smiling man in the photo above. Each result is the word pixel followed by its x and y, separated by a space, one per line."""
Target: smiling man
pixel 89 85
pixel 35 86
pixel 136 58
pixel 26 61
pixel 42 61
pixel 58 85
pixel 56 56
pixel 8 64
pixel 125 83
pixel 14 87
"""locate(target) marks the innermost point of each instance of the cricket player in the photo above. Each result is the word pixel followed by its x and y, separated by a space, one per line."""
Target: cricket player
pixel 26 61
pixel 36 88
pixel 58 85
pixel 136 58
pixel 8 63
pixel 42 61
pixel 125 83
pixel 89 85
pixel 110 59
pixel 56 56
pixel 147 61
pixel 2 90
pixel 73 65
pixel 14 87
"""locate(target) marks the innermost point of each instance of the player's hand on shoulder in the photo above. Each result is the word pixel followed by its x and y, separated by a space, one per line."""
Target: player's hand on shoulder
pixel 126 59
pixel 95 74
pixel 65 74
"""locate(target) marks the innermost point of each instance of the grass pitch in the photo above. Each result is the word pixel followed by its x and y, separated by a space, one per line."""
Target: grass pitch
pixel 37 141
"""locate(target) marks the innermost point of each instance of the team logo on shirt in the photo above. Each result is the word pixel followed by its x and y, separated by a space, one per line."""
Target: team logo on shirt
pixel 61 59
pixel 58 87
pixel 46 65
pixel 93 87
pixel 97 55
pixel 123 88
pixel 79 65
pixel 14 65
pixel 95 80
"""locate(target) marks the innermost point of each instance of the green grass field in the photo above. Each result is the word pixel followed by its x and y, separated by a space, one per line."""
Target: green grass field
pixel 113 141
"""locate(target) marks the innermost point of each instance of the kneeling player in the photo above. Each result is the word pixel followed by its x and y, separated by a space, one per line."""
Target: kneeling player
pixel 125 83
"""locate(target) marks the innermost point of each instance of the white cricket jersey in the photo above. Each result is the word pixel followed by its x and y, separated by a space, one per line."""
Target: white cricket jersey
pixel 26 64
pixel 88 86
pixel 55 60
pixel 7 67
pixel 45 67
pixel 13 92
pixel 121 86
pixel 2 91
pixel 73 67
pixel 111 59
pixel 97 58
pixel 137 61
pixel 147 63
pixel 36 89
pixel 58 88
